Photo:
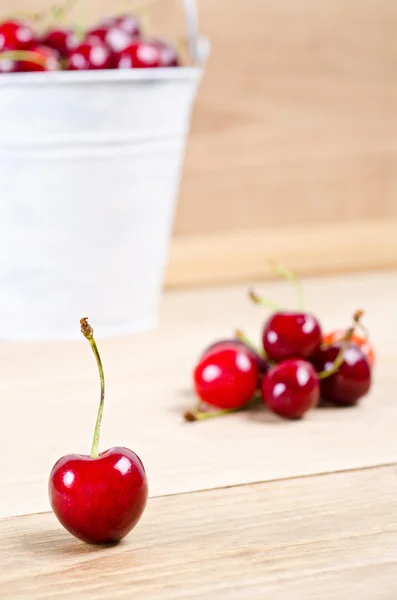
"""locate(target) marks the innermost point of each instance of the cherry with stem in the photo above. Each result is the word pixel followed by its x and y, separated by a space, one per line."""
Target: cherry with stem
pixel 99 498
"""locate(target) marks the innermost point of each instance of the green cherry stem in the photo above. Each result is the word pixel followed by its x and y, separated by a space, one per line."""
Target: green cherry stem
pixel 88 333
pixel 242 337
pixel 339 357
pixel 28 55
pixel 201 415
pixel 290 276
pixel 357 316
pixel 256 299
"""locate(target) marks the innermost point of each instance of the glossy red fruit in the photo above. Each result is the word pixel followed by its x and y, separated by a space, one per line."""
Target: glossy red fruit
pixel 9 66
pixel 16 35
pixel 291 335
pixel 115 38
pixel 291 388
pixel 99 500
pixel 90 56
pixel 61 39
pixel 128 23
pixel 351 382
pixel 168 54
pixel 44 59
pixel 140 54
pixel 226 378
pixel 261 363
pixel 337 335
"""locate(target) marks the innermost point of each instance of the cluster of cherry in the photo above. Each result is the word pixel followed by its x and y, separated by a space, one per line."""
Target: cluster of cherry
pixel 114 43
pixel 297 368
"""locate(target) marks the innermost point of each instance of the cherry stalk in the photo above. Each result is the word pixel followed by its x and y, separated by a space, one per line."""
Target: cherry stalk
pixel 201 415
pixel 88 333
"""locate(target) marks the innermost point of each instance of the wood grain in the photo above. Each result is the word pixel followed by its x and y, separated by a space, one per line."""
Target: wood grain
pixel 245 255
pixel 296 119
pixel 326 537
pixel 49 395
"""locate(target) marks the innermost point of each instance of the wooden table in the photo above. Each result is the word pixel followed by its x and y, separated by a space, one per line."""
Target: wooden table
pixel 242 508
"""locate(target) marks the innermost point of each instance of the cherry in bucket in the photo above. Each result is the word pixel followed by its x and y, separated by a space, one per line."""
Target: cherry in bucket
pixel 40 58
pixel 16 35
pixel 101 497
pixel 88 56
pixel 114 43
pixel 115 38
pixel 128 23
pixel 62 39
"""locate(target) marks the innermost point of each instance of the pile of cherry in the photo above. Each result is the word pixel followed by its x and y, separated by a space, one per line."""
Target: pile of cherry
pixel 115 43
pixel 297 368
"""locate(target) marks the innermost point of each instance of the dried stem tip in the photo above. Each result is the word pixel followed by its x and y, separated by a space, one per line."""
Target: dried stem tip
pixel 254 297
pixel 358 315
pixel 86 328
pixel 189 416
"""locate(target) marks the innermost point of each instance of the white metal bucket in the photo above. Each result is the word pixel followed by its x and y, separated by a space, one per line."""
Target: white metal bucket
pixel 90 164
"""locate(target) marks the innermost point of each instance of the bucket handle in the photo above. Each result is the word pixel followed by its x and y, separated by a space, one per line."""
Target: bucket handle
pixel 192 30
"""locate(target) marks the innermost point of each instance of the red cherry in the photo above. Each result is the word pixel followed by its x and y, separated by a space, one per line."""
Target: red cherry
pixel 291 335
pixel 99 500
pixel 226 378
pixel 168 55
pixel 115 38
pixel 16 35
pixel 141 54
pixel 127 23
pixel 101 497
pixel 351 381
pixel 291 388
pixel 361 341
pixel 261 363
pixel 90 56
pixel 8 65
pixel 43 59
pixel 62 39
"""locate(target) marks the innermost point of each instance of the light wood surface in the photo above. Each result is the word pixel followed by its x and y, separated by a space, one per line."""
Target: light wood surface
pixel 246 506
pixel 328 537
pixel 49 396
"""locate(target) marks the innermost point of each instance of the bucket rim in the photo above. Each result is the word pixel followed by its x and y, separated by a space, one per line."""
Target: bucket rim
pixel 99 76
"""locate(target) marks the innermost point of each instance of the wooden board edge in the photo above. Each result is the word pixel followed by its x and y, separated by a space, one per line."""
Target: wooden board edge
pixel 323 249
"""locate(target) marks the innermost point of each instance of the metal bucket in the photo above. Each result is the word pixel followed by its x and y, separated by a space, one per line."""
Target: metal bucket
pixel 90 164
